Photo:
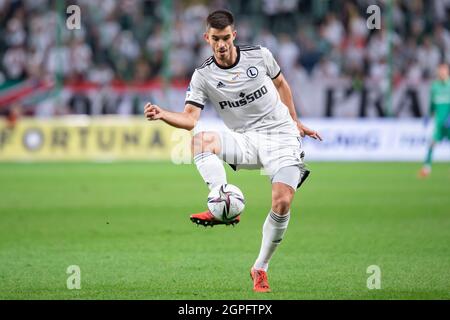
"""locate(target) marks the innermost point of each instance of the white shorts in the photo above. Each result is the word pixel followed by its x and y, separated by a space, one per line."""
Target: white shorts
pixel 266 150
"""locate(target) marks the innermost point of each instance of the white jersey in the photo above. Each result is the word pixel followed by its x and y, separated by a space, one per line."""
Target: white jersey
pixel 243 94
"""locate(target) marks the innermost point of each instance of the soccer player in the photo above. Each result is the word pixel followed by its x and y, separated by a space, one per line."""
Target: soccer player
pixel 249 92
pixel 440 110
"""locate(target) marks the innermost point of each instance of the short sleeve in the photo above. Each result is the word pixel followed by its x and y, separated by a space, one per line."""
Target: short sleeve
pixel 196 93
pixel 273 69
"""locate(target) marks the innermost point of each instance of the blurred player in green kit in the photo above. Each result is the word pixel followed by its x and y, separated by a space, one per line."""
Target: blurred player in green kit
pixel 440 110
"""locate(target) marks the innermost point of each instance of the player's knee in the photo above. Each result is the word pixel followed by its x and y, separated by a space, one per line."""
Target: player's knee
pixel 281 204
pixel 204 142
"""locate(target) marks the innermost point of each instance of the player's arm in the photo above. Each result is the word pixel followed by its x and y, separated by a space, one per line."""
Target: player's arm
pixel 286 97
pixel 183 120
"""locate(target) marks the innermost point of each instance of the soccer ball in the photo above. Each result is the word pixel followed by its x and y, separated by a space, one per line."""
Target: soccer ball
pixel 226 202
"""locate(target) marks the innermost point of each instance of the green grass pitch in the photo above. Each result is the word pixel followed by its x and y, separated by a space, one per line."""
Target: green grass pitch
pixel 126 226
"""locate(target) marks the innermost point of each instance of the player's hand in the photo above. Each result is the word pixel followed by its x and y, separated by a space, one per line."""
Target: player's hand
pixel 305 131
pixel 153 112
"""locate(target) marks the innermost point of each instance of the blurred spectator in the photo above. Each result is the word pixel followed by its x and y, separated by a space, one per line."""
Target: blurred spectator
pixel 267 39
pixel 325 69
pixel 126 40
pixel 14 63
pixel 101 74
pixel 334 30
pixel 429 57
pixel 288 53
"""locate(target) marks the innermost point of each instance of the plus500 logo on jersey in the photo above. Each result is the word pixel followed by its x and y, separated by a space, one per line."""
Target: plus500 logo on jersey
pixel 245 99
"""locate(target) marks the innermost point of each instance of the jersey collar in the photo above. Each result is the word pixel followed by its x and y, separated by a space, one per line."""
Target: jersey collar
pixel 238 51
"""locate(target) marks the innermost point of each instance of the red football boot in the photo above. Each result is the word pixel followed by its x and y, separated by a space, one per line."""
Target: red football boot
pixel 260 282
pixel 424 172
pixel 207 219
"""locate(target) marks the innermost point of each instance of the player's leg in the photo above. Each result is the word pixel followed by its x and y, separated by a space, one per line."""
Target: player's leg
pixel 284 184
pixel 205 148
pixel 209 149
pixel 426 168
pixel 437 136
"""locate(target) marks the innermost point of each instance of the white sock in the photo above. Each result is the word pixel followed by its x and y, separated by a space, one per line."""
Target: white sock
pixel 211 169
pixel 273 231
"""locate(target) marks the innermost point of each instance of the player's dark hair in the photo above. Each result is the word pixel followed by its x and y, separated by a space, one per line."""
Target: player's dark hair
pixel 220 19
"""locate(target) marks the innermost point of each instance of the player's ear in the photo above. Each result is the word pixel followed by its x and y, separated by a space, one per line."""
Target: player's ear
pixel 234 35
pixel 206 37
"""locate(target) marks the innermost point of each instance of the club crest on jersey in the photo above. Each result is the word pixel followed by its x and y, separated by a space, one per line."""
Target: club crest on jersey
pixel 245 99
pixel 252 72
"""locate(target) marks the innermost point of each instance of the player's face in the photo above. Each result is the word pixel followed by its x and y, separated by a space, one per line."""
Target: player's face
pixel 221 42
pixel 443 72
